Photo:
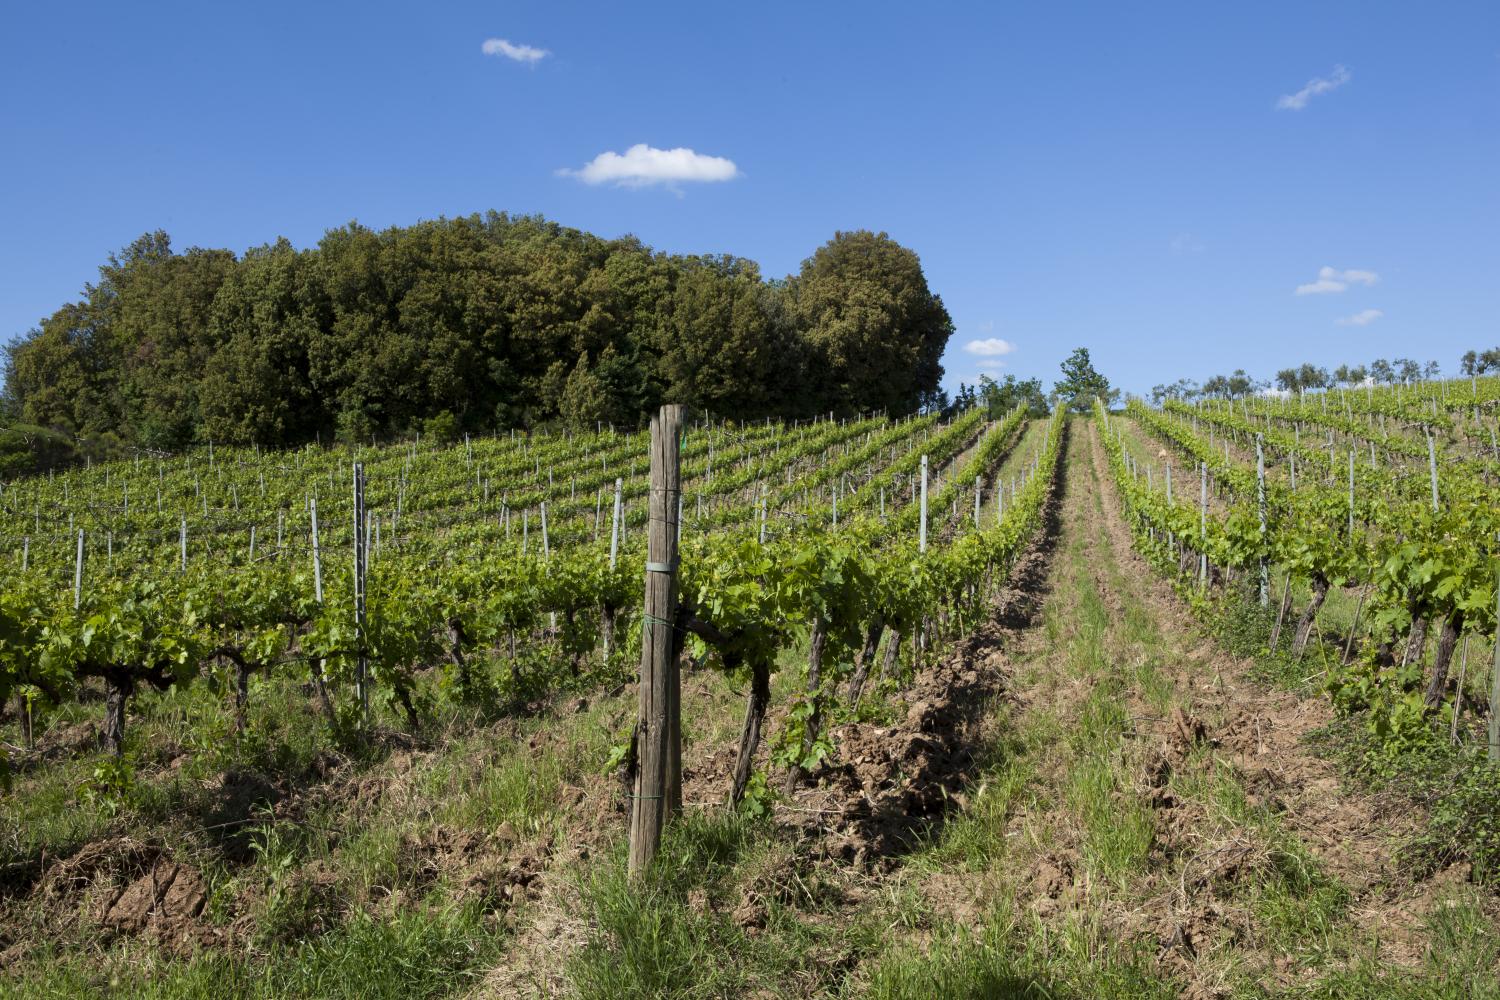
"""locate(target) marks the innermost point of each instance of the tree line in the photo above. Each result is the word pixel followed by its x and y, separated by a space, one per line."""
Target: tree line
pixel 1309 376
pixel 1080 385
pixel 477 323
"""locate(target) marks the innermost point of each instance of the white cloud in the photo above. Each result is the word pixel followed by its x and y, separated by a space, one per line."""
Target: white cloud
pixel 528 54
pixel 1317 85
pixel 1362 318
pixel 641 165
pixel 992 347
pixel 1333 280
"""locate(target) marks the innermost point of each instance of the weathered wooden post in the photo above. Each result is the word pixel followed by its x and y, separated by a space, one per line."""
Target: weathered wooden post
pixel 658 760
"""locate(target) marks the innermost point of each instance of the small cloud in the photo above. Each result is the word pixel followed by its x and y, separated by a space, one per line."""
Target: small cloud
pixel 1333 280
pixel 1186 243
pixel 642 165
pixel 528 54
pixel 992 347
pixel 1362 318
pixel 1316 86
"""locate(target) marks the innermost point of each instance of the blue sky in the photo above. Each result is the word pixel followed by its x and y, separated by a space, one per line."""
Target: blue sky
pixel 1120 176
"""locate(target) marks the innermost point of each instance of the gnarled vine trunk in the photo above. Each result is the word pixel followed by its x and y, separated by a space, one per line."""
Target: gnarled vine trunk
pixel 892 650
pixel 1453 625
pixel 1310 616
pixel 865 660
pixel 456 639
pixel 814 682
pixel 755 713
pixel 1416 640
pixel 118 686
pixel 241 692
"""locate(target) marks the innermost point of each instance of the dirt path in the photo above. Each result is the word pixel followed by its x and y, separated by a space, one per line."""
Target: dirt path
pixel 1172 808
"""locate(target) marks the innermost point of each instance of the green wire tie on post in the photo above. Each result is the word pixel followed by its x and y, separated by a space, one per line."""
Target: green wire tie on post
pixel 648 620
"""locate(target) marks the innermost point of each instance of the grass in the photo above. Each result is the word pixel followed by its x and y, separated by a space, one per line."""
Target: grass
pixel 674 932
pixel 409 955
pixel 1011 958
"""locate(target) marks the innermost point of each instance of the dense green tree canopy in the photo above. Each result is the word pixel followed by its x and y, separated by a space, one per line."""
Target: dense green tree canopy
pixel 1081 384
pixel 486 321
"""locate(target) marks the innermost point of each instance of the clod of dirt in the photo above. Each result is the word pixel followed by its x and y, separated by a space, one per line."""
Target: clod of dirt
pixel 1053 876
pixel 166 900
pixel 101 863
pixel 132 887
pixel 496 870
pixel 750 915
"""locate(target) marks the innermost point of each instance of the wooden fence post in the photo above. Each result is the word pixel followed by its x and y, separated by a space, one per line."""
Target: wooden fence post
pixel 657 747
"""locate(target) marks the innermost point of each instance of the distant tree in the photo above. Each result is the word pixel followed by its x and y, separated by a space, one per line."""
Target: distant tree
pixel 1081 384
pixel 27 449
pixel 999 398
pixel 1382 370
pixel 1409 370
pixel 1183 388
pixel 1350 375
pixel 585 399
pixel 491 318
pixel 1310 376
pixel 441 428
pixel 1241 384
pixel 1288 380
pixel 1432 370
pixel 722 350
pixel 875 329
pixel 935 401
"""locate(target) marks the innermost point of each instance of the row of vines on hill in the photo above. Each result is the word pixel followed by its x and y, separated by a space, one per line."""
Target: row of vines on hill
pixel 521 552
pixel 1415 540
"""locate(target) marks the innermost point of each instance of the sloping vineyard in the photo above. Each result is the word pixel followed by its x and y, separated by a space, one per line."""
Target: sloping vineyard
pixel 1384 494
pixel 510 564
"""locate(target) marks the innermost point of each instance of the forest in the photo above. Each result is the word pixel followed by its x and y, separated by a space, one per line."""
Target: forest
pixel 480 323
